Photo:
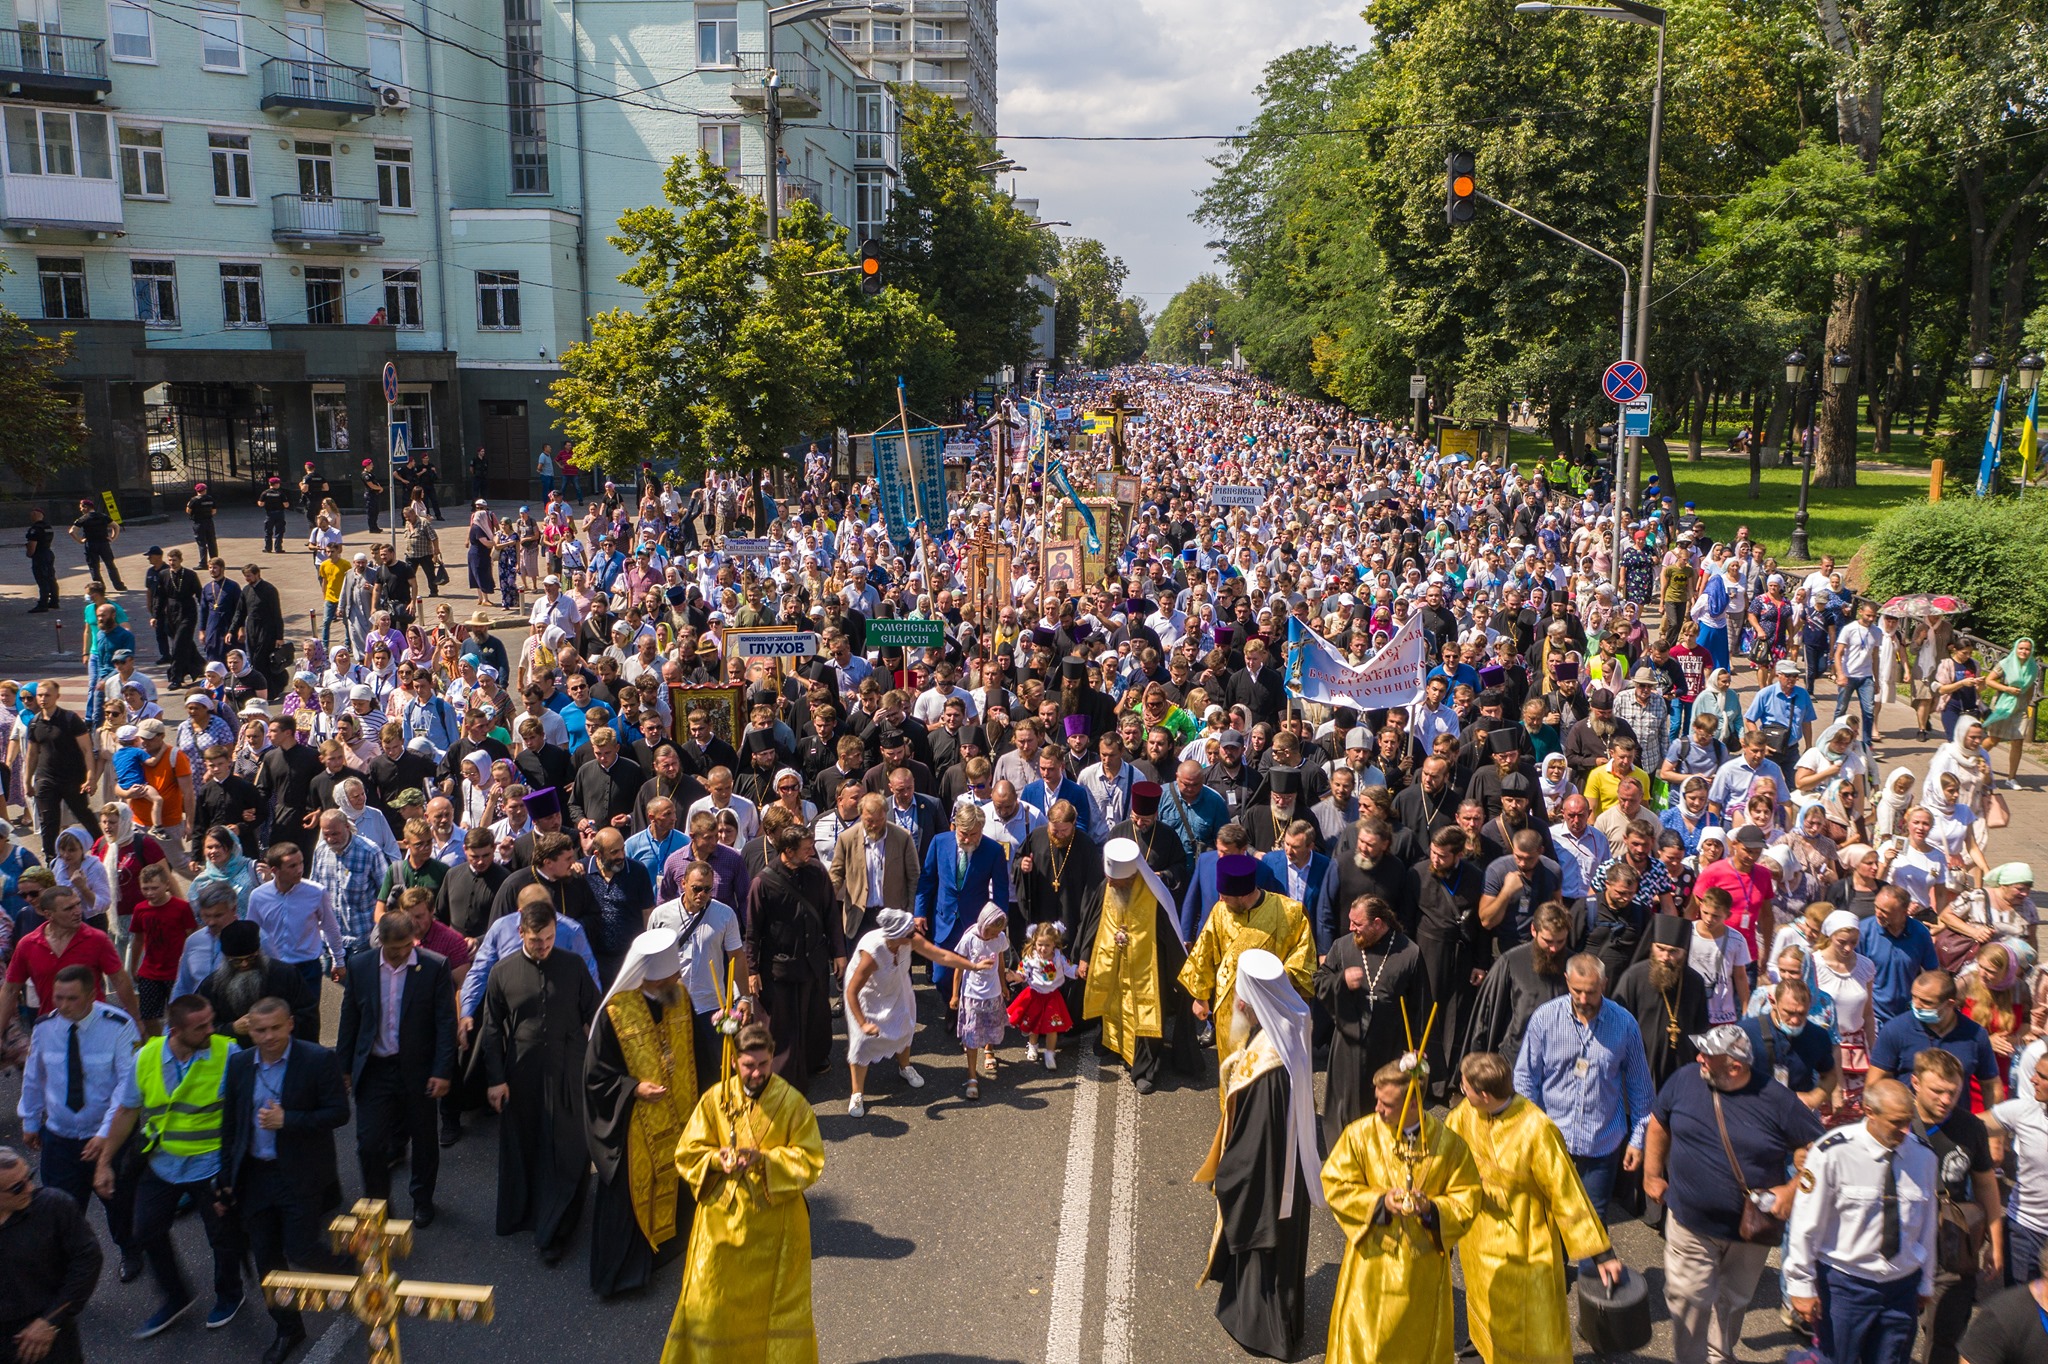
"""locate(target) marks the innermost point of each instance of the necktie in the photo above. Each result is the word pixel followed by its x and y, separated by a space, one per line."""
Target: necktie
pixel 74 1073
pixel 1891 1206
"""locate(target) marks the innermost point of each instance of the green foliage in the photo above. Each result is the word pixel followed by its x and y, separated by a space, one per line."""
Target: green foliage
pixel 1177 332
pixel 1982 550
pixel 44 430
pixel 1107 329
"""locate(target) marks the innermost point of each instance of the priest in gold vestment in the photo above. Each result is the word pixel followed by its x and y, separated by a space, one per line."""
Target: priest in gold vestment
pixel 1404 1189
pixel 1245 917
pixel 639 1089
pixel 750 1151
pixel 1129 955
pixel 1531 1196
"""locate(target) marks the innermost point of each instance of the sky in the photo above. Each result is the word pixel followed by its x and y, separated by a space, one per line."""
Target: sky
pixel 1141 67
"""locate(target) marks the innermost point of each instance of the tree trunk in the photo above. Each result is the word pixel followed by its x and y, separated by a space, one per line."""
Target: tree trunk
pixel 1714 422
pixel 1895 382
pixel 1698 435
pixel 1660 452
pixel 1834 459
pixel 1559 430
pixel 1859 121
pixel 2012 298
pixel 1772 434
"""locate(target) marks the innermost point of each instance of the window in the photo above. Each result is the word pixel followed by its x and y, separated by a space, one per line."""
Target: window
pixel 231 179
pixel 845 31
pixel 927 71
pixel 871 120
pixel 721 142
pixel 929 32
pixel 128 24
pixel 220 36
pixel 330 422
pixel 718 35
pixel 142 162
pixel 497 300
pixel 394 179
pixel 416 409
pixel 402 299
pixel 385 41
pixel 241 295
pixel 323 296
pixel 156 291
pixel 63 280
pixel 888 71
pixel 526 115
pixel 887 31
pixel 870 203
pixel 58 142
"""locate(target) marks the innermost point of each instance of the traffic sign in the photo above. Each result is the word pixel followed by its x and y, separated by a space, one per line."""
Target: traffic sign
pixel 401 456
pixel 1635 416
pixel 390 382
pixel 905 634
pixel 1418 384
pixel 1623 381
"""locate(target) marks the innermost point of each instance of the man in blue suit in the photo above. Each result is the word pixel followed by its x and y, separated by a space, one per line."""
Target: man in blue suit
pixel 1054 784
pixel 1297 865
pixel 1202 894
pixel 962 872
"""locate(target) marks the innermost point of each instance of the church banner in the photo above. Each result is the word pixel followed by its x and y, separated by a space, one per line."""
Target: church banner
pixel 1391 677
pixel 892 483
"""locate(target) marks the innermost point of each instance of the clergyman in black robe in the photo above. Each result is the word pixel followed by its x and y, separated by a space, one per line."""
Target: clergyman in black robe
pixel 1668 999
pixel 181 622
pixel 1445 889
pixel 1158 845
pixel 1364 982
pixel 1523 980
pixel 537 1010
pixel 795 945
pixel 1052 882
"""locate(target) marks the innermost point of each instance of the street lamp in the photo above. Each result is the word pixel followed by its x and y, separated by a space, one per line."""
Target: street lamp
pixel 1841 367
pixel 1002 166
pixel 1645 16
pixel 1796 372
pixel 796 14
pixel 2031 365
pixel 1795 368
pixel 1982 366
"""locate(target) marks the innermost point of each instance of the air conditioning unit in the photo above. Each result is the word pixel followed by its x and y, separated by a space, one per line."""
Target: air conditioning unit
pixel 392 96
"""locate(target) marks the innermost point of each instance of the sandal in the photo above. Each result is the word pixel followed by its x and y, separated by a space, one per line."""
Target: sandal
pixel 974 1089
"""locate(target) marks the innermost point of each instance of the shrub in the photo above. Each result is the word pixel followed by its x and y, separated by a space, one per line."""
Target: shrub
pixel 1989 552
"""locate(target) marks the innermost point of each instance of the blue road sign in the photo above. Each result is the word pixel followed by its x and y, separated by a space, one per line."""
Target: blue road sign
pixel 390 382
pixel 1635 416
pixel 1624 381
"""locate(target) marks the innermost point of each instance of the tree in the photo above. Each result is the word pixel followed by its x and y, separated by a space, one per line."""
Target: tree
pixel 45 430
pixel 1106 327
pixel 1177 333
pixel 959 244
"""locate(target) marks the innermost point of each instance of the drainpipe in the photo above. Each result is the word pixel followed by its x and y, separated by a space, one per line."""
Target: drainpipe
pixel 436 131
pixel 582 171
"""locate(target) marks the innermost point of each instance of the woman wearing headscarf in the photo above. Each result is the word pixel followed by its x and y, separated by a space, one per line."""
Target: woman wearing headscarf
pixel 1845 973
pixel 483 532
pixel 1991 990
pixel 2012 685
pixel 881 1006
pixel 1965 756
pixel 122 851
pixel 1810 855
pixel 1720 700
pixel 1894 798
pixel 224 862
pixel 1835 757
pixel 355 603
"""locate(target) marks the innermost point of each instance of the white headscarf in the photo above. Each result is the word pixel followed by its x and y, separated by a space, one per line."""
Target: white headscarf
pixel 1263 984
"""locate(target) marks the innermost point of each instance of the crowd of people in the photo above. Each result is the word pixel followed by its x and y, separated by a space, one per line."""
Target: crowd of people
pixel 1605 920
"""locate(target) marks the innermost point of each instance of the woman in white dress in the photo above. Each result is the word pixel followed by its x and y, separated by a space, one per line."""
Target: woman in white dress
pixel 1847 974
pixel 881 1007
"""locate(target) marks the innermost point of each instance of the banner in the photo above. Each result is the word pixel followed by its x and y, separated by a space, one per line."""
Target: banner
pixel 2030 438
pixel 1058 474
pixel 1389 678
pixel 892 483
pixel 928 465
pixel 1994 440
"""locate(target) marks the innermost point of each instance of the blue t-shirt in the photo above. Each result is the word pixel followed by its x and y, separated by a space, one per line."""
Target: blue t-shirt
pixel 1905 1037
pixel 1899 961
pixel 1766 1124
pixel 1805 1058
pixel 131 766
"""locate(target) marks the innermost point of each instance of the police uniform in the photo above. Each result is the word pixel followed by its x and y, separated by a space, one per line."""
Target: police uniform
pixel 1862 1241
pixel 272 500
pixel 52 1083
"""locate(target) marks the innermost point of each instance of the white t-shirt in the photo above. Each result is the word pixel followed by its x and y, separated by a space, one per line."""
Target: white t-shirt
pixel 714 938
pixel 1852 995
pixel 1858 643
pixel 1917 873
pixel 974 947
pixel 1717 962
pixel 2027 1124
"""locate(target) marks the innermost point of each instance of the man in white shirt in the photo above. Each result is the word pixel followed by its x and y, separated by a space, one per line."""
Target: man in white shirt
pixel 931 703
pixel 1429 715
pixel 1856 647
pixel 555 609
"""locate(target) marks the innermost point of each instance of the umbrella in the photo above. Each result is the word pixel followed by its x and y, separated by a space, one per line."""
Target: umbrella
pixel 1918 605
pixel 1372 495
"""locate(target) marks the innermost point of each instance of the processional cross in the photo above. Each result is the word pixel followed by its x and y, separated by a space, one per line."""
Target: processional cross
pixel 1118 413
pixel 374 1294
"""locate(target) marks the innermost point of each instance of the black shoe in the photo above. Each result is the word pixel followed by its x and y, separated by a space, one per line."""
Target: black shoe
pixel 132 1265
pixel 1144 1086
pixel 36 610
pixel 552 1256
pixel 423 1217
pixel 282 1347
pixel 450 1134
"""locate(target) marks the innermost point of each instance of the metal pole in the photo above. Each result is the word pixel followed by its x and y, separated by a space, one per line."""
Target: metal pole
pixel 1642 354
pixel 1797 548
pixel 774 141
pixel 391 473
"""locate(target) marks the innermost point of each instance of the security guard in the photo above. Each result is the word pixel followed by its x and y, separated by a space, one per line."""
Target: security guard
pixel 273 501
pixel 1859 1255
pixel 175 1093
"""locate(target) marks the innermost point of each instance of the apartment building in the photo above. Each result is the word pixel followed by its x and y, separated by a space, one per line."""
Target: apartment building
pixel 244 208
pixel 948 46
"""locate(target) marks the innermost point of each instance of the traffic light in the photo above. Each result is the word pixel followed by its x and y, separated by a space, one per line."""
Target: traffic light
pixel 1460 185
pixel 871 266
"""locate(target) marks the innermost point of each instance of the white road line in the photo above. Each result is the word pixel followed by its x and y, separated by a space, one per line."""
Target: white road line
pixel 331 1340
pixel 1070 1259
pixel 1123 1229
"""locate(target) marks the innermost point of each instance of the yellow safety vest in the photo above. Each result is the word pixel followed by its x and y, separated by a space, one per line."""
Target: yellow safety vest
pixel 185 1121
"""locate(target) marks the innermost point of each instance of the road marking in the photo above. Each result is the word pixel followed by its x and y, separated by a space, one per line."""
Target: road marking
pixel 1070 1258
pixel 331 1340
pixel 1123 1230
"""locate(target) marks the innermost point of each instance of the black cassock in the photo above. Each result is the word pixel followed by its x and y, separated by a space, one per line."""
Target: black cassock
pixel 1176 1044
pixel 1654 1011
pixel 792 939
pixel 536 1021
pixel 1369 1031
pixel 1511 992
pixel 620 1258
pixel 1453 946
pixel 1260 1258
pixel 181 623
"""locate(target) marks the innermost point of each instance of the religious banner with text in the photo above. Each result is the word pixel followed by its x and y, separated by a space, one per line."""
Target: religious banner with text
pixel 1391 677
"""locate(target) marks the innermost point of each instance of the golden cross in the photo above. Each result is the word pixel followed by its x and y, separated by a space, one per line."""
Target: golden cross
pixel 1117 413
pixel 376 1296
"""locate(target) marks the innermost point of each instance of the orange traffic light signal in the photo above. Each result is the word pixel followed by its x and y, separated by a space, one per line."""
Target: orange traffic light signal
pixel 871 266
pixel 1460 185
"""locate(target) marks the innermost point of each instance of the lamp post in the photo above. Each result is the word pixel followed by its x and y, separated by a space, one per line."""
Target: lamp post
pixel 1983 365
pixel 1646 16
pixel 1841 367
pixel 777 17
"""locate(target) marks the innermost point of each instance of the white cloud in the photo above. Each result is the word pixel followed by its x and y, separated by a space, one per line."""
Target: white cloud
pixel 1139 67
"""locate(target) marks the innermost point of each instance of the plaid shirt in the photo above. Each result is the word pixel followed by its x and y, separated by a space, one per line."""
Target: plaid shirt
pixel 352 879
pixel 1648 721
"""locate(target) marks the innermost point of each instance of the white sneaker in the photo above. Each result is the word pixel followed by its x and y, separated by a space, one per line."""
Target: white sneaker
pixel 856 1106
pixel 912 1076
pixel 1031 1051
pixel 1051 1057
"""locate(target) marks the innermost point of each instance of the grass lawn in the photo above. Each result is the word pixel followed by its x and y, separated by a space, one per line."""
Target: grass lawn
pixel 1838 519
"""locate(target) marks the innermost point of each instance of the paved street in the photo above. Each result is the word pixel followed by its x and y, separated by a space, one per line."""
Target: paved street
pixel 1054 1220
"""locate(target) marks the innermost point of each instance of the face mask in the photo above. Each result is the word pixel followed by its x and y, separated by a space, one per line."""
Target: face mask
pixel 1792 1031
pixel 1927 1015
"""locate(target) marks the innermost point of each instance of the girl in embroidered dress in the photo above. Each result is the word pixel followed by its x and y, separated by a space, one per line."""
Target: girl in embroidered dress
pixel 1040 1010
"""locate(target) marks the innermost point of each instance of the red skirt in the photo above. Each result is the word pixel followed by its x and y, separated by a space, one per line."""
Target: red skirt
pixel 1040 1013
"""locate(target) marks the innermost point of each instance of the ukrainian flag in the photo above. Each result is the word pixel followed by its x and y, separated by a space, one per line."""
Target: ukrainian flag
pixel 2030 439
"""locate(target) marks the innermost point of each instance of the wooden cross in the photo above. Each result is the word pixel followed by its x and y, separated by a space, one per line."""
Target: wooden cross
pixel 1117 413
pixel 376 1296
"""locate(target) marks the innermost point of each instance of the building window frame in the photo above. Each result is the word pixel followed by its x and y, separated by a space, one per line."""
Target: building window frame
pixel 526 112
pixel 497 300
pixel 220 32
pixel 62 279
pixel 116 11
pixel 384 48
pixel 234 181
pixel 241 295
pixel 718 35
pixel 330 421
pixel 404 306
pixel 394 179
pixel 719 139
pixel 156 291
pixel 66 143
pixel 326 296
pixel 142 162
pixel 415 407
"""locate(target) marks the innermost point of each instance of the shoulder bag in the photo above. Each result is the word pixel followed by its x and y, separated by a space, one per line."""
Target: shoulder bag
pixel 1757 1227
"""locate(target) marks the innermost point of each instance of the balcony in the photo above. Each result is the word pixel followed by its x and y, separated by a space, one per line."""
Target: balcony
pixel 789 189
pixel 310 220
pixel 952 89
pixel 935 48
pixel 937 7
pixel 53 65
pixel 872 150
pixel 801 85
pixel 294 88
pixel 35 204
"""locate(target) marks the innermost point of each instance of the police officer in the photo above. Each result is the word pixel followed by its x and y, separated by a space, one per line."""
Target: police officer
pixel 374 493
pixel 272 500
pixel 312 491
pixel 200 507
pixel 1859 1254
pixel 42 560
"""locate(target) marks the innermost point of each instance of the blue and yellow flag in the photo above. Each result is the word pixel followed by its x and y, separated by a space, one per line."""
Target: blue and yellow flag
pixel 1058 474
pixel 1994 445
pixel 2030 439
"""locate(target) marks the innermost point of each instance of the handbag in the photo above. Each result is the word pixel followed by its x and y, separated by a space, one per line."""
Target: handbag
pixel 1757 1227
pixel 1997 814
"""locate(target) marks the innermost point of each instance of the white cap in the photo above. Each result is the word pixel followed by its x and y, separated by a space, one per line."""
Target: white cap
pixel 1121 856
pixel 128 734
pixel 361 692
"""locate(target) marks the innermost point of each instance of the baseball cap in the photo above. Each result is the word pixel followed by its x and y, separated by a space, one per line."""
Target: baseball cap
pixel 1728 1039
